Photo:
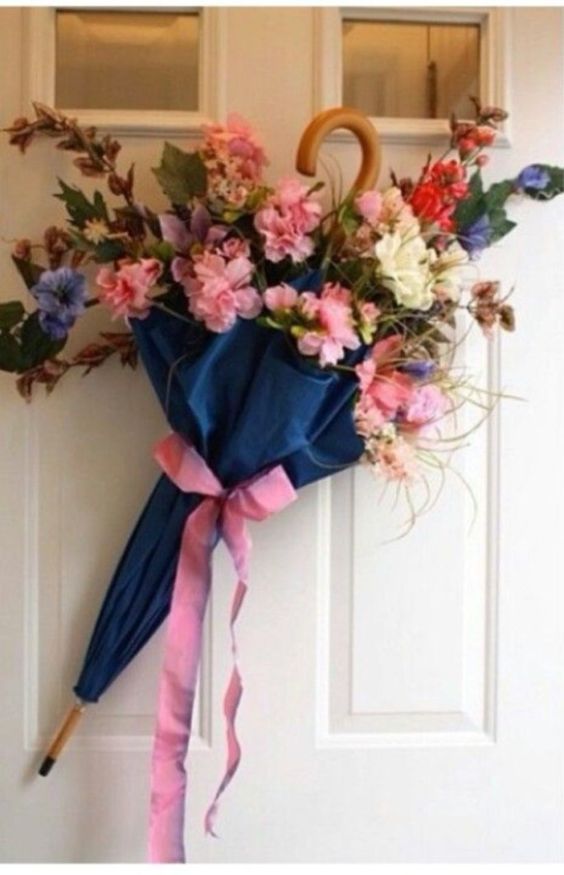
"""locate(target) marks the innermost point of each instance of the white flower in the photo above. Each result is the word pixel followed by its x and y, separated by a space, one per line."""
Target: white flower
pixel 404 269
pixel 448 271
pixel 96 230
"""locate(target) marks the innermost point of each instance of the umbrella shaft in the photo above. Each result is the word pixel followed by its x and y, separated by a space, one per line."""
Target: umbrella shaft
pixel 67 728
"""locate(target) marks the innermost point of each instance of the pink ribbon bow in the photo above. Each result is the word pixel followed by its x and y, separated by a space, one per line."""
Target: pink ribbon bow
pixel 223 513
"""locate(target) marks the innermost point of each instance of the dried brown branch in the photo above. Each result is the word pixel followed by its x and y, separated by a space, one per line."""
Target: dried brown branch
pixel 96 154
pixel 95 354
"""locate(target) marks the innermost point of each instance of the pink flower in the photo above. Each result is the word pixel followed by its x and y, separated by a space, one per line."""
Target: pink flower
pixel 235 247
pixel 289 216
pixel 237 147
pixel 282 297
pixel 368 314
pixel 384 390
pixel 221 290
pixel 397 459
pixel 126 291
pixel 181 269
pixel 427 405
pixel 369 205
pixel 333 330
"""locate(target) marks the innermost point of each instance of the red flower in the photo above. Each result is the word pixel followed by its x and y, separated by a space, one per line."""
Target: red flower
pixel 450 175
pixel 470 138
pixel 434 199
pixel 484 135
pixel 427 201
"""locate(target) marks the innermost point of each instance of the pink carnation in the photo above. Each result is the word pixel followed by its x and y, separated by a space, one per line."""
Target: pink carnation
pixel 289 216
pixel 282 297
pixel 384 390
pixel 236 145
pixel 221 290
pixel 334 329
pixel 234 247
pixel 126 291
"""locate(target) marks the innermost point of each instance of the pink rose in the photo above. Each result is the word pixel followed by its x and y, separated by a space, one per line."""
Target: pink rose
pixel 369 205
pixel 286 220
pixel 126 291
pixel 221 290
pixel 282 297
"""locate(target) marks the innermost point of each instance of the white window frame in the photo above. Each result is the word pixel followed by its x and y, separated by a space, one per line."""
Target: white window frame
pixel 494 65
pixel 39 78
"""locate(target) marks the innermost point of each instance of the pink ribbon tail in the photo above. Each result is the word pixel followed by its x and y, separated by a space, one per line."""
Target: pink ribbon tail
pixel 224 513
pixel 231 702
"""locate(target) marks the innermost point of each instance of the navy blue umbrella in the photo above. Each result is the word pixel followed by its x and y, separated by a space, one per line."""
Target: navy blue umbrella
pixel 247 401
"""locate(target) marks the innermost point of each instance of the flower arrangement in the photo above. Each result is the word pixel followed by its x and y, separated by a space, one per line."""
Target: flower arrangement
pixel 286 338
pixel 391 268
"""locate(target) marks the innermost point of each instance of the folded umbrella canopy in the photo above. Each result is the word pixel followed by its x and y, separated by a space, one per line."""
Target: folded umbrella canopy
pixel 247 402
pixel 252 421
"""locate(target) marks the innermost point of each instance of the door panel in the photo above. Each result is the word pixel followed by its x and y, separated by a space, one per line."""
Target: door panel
pixel 403 696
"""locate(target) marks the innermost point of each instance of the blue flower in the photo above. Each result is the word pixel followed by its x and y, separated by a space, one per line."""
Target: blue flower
pixel 60 296
pixel 419 370
pixel 476 236
pixel 533 176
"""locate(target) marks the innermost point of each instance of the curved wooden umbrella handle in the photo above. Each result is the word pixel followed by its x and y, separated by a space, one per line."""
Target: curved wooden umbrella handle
pixel 353 120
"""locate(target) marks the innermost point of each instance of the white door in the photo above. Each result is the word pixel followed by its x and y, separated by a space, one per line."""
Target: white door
pixel 403 701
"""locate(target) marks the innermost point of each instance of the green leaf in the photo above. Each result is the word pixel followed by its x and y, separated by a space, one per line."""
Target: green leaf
pixel 497 194
pixel 10 353
pixel 472 207
pixel 99 205
pixel 36 345
pixel 108 250
pixel 349 223
pixel 181 175
pixel 500 225
pixel 29 272
pixel 10 314
pixel 79 208
pixel 162 250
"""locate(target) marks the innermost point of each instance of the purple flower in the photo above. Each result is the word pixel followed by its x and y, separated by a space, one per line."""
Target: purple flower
pixel 533 176
pixel 182 235
pixel 60 296
pixel 476 236
pixel 419 370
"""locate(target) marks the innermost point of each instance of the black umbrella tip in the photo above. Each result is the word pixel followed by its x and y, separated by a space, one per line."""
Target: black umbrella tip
pixel 47 765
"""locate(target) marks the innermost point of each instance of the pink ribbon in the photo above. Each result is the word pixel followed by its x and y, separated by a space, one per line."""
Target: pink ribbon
pixel 222 513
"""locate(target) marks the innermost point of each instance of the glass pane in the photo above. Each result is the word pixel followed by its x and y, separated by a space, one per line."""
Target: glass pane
pixel 127 60
pixel 410 69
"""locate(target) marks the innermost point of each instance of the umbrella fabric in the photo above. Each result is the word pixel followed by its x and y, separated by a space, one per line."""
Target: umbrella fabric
pixel 247 403
pixel 246 400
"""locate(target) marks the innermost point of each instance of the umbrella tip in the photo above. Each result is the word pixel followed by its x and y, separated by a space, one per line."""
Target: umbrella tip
pixel 47 765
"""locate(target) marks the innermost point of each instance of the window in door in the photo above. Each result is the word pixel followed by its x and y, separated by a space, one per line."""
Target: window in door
pixel 411 69
pixel 130 59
